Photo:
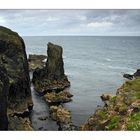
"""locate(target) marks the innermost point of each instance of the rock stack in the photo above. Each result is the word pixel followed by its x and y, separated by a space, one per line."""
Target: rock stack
pixel 51 77
pixel 17 97
pixel 52 82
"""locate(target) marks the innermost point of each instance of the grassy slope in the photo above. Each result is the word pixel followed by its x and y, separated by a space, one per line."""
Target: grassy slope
pixel 121 112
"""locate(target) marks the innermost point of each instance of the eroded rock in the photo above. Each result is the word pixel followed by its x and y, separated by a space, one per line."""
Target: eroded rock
pixel 57 98
pixel 51 77
pixel 60 114
pixel 14 60
pixel 36 61
pixel 4 90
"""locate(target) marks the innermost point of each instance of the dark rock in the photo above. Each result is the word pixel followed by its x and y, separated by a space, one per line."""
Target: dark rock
pixel 137 73
pixel 43 118
pixel 4 89
pixel 36 61
pixel 21 114
pixel 128 76
pixel 54 65
pixel 67 127
pixel 14 60
pixel 51 77
pixel 40 128
pixel 106 97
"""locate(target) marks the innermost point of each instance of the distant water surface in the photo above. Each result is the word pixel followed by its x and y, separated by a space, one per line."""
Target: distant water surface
pixel 94 66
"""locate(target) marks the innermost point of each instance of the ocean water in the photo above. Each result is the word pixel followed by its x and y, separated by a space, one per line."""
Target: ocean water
pixel 94 66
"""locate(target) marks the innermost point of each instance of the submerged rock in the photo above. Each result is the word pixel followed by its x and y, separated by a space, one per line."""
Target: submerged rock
pixel 4 90
pixel 51 77
pixel 43 118
pixel 36 61
pixel 57 98
pixel 14 60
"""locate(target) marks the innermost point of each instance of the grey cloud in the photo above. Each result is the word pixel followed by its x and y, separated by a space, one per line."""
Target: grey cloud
pixel 69 22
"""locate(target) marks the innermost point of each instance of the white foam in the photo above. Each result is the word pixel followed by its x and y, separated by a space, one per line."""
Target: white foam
pixel 44 60
pixel 108 59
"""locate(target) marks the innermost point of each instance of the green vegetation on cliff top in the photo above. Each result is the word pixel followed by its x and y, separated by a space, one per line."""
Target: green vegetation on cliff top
pixel 9 35
pixel 122 111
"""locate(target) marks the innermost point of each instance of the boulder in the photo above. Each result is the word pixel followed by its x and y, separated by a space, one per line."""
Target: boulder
pixel 4 90
pixel 51 77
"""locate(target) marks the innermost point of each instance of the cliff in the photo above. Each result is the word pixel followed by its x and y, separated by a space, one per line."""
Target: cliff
pixel 13 58
pixel 120 112
pixel 4 88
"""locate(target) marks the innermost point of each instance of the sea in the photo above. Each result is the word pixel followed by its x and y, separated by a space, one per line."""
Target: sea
pixel 94 65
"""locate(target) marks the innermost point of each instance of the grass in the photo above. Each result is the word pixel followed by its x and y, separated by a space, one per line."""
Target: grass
pixel 4 30
pixel 113 123
pixel 102 114
pixel 9 35
pixel 136 95
pixel 134 121
pixel 133 85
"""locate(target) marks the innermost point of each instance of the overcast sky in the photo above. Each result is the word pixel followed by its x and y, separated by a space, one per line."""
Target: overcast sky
pixel 72 22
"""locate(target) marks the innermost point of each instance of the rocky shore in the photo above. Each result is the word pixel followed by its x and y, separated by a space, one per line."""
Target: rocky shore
pixel 14 82
pixel 120 112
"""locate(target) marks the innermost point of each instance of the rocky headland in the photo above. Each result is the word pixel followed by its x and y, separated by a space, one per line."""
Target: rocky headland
pixel 15 93
pixel 120 112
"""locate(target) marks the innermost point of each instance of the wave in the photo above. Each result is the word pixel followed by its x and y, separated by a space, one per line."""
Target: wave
pixel 130 70
pixel 108 59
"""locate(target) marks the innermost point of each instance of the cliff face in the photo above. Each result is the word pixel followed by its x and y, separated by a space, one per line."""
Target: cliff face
pixel 121 112
pixel 52 76
pixel 4 88
pixel 13 58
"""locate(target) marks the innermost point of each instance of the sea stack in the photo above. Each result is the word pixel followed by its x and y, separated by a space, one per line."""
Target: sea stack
pixel 13 59
pixel 52 76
